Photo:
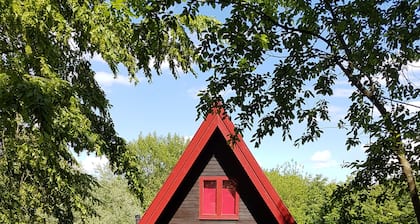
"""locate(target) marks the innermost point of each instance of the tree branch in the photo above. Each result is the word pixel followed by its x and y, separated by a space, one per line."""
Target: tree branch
pixel 355 81
pixel 284 27
pixel 392 128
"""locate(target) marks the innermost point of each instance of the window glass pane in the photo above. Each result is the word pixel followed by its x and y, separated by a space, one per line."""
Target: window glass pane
pixel 209 197
pixel 228 198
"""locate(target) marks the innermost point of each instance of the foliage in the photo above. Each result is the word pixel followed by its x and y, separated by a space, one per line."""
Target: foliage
pixel 156 156
pixel 377 204
pixel 304 195
pixel 116 204
pixel 282 60
pixel 313 199
pixel 51 105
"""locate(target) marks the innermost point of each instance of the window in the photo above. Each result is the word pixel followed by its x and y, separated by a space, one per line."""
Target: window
pixel 218 198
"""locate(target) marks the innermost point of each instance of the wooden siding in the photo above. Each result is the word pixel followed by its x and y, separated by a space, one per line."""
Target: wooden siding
pixel 188 210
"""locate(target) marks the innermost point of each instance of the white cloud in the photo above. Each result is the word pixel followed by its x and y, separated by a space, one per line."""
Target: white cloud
pixel 343 92
pixel 193 92
pixel 415 106
pixel 326 164
pixel 336 112
pixel 163 66
pixel 336 109
pixel 97 58
pixel 108 79
pixel 321 156
pixel 414 67
pixel 322 159
pixel 91 163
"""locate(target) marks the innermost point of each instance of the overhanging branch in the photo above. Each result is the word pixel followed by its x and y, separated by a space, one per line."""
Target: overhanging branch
pixel 285 27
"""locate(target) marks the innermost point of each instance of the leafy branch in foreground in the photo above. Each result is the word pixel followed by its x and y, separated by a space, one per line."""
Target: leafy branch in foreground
pixel 51 106
pixel 367 44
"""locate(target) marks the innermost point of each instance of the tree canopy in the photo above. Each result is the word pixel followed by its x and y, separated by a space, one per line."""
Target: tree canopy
pixel 156 156
pixel 282 60
pixel 314 199
pixel 51 106
pixel 116 204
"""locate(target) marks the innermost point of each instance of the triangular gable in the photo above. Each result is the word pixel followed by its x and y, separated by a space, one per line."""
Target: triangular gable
pixel 217 121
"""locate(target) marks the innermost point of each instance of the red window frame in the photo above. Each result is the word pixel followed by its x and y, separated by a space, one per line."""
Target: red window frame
pixel 217 212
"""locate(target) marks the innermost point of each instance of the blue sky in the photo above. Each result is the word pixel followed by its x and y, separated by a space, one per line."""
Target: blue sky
pixel 167 105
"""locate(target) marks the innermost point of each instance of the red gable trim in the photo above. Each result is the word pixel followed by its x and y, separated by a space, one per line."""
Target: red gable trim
pixel 180 170
pixel 257 176
pixel 242 153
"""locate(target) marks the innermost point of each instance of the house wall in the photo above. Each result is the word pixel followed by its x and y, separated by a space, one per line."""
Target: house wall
pixel 188 211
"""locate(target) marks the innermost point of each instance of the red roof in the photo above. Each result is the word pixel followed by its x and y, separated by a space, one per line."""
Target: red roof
pixel 213 122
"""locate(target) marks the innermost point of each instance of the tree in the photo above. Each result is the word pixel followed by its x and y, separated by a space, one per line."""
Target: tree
pixel 305 196
pixel 313 45
pixel 376 204
pixel 116 204
pixel 156 156
pixel 51 105
pixel 314 199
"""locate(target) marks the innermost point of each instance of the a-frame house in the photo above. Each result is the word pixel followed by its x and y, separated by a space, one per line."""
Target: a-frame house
pixel 217 182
